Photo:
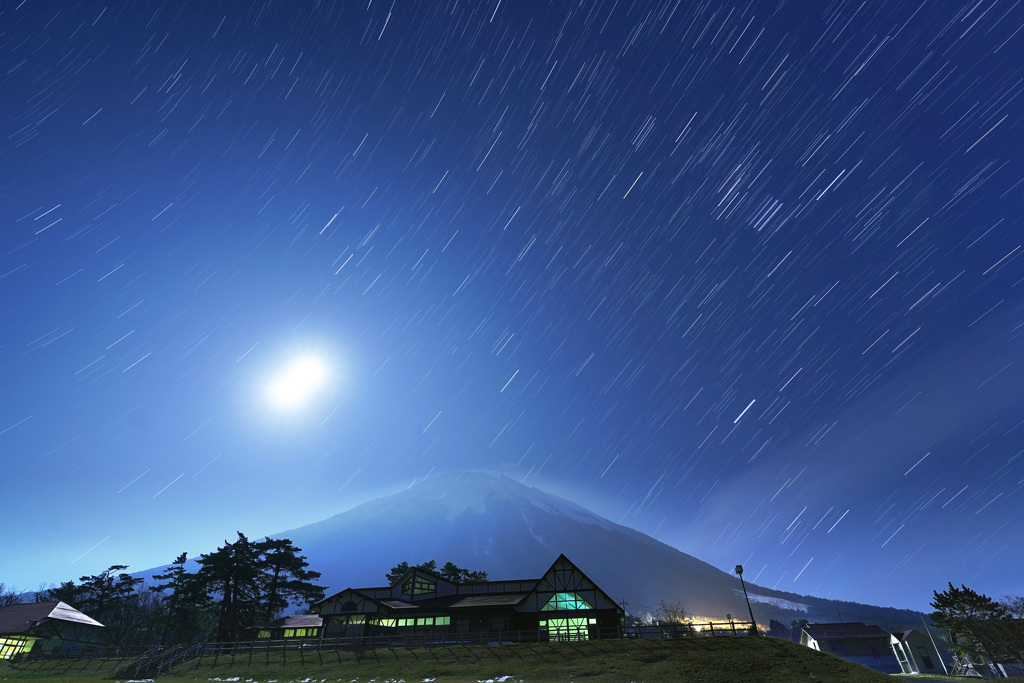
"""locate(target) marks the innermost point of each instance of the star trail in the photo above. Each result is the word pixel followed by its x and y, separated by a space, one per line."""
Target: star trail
pixel 745 276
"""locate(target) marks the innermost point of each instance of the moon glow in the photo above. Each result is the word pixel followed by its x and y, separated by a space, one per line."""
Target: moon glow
pixel 298 382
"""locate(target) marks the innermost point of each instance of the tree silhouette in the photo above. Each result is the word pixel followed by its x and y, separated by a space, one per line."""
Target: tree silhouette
pixel 287 581
pixel 253 582
pixel 450 571
pixel 964 613
pixel 186 606
pixel 230 576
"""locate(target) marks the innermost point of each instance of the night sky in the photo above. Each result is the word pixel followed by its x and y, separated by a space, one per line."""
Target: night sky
pixel 745 276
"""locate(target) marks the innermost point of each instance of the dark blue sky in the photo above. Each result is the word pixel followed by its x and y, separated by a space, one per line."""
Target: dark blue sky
pixel 744 276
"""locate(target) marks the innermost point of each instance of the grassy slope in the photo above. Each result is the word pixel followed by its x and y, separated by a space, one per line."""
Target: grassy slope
pixel 610 661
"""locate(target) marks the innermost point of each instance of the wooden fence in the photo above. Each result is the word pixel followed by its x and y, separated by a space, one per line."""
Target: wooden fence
pixel 319 650
pixel 143 662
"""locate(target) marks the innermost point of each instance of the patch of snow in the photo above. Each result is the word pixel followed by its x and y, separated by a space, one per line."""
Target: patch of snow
pixel 781 603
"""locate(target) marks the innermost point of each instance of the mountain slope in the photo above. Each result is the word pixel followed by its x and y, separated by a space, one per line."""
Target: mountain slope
pixel 513 531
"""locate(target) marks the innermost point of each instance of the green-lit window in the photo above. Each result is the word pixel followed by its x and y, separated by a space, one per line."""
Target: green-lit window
pixel 443 621
pixel 289 633
pixel 264 633
pixel 388 623
pixel 566 629
pixel 565 601
pixel 419 585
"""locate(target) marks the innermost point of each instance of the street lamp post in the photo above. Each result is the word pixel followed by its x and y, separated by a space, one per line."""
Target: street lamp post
pixel 739 571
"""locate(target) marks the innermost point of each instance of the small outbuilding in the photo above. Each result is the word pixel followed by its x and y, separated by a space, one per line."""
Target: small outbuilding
pixel 49 628
pixel 915 653
pixel 563 604
pixel 855 642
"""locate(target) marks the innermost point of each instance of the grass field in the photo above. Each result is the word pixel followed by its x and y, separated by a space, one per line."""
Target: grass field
pixel 607 661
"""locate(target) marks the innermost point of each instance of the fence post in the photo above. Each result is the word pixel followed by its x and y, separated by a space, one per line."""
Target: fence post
pixel 711 625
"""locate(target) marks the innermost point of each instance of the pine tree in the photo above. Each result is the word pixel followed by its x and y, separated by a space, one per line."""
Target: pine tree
pixel 231 577
pixel 964 613
pixel 66 592
pixel 449 571
pixel 101 593
pixel 253 582
pixel 396 572
pixel 287 581
pixel 186 606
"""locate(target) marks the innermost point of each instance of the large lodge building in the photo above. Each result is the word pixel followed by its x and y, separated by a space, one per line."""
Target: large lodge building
pixel 563 604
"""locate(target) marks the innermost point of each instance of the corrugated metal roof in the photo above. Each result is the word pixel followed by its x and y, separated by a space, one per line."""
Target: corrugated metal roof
pixel 490 600
pixel 21 618
pixel 398 604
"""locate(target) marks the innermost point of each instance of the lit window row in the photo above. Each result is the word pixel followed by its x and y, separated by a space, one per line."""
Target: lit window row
pixel 419 621
pixel 300 632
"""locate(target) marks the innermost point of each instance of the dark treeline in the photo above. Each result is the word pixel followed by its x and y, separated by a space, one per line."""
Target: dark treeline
pixel 240 585
pixel 449 571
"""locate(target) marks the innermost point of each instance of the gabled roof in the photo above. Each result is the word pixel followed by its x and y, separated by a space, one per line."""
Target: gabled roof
pixel 559 565
pixel 845 631
pixel 423 572
pixel 21 618
pixel 354 591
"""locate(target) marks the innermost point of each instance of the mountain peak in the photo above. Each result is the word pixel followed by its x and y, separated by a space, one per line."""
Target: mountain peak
pixel 463 492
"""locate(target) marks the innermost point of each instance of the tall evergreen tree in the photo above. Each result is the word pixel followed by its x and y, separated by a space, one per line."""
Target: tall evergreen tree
pixel 964 613
pixel 287 579
pixel 102 593
pixel 396 572
pixel 67 592
pixel 231 577
pixel 253 582
pixel 186 606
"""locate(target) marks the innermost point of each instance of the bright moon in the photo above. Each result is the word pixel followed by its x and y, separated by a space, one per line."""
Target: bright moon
pixel 298 382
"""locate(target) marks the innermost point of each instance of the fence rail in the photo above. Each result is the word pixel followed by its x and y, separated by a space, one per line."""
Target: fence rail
pixel 314 650
pixel 150 662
